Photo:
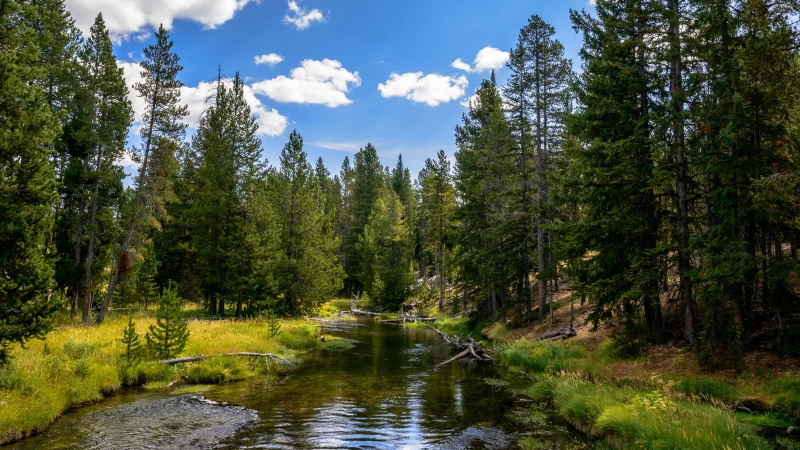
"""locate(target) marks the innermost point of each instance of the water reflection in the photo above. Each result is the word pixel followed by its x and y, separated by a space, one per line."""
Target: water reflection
pixel 386 393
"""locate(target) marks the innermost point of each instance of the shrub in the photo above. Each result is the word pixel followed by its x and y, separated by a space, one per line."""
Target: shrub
pixel 130 338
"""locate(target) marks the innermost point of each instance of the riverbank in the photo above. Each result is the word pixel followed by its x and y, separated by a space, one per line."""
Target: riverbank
pixel 661 400
pixel 79 364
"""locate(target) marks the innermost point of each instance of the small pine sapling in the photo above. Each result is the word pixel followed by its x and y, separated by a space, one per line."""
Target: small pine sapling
pixel 273 323
pixel 130 338
pixel 168 336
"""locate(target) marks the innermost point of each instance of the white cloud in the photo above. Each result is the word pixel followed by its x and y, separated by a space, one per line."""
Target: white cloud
pixel 461 65
pixel 432 89
pixel 270 59
pixel 126 19
pixel 341 146
pixel 488 58
pixel 323 82
pixel 270 121
pixel 301 18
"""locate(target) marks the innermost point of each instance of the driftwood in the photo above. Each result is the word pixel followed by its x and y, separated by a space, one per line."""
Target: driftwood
pixel 407 316
pixel 266 356
pixel 358 312
pixel 557 335
pixel 465 347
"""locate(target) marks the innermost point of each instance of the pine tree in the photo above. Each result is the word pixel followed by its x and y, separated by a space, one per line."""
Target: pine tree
pixel 168 336
pixel 111 117
pixel 130 339
pixel 437 205
pixel 308 272
pixel 161 128
pixel 27 130
pixel 368 180
pixel 387 248
pixel 620 222
pixel 486 254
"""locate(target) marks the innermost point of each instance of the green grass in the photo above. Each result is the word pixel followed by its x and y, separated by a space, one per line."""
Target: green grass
pixel 644 410
pixel 540 356
pixel 707 389
pixel 77 364
pixel 786 394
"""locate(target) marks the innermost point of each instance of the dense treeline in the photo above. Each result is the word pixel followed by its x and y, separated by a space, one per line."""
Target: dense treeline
pixel 660 183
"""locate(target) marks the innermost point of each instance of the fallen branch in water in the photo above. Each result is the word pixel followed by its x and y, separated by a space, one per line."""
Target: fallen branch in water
pixel 466 348
pixel 409 317
pixel 267 356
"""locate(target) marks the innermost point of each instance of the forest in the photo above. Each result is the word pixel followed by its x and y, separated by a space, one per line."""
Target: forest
pixel 660 182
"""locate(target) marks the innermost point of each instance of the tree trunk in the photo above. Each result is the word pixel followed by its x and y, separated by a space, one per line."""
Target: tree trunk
pixel 684 262
pixel 142 180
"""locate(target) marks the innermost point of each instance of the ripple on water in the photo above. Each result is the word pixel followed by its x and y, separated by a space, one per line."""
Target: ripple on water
pixel 188 421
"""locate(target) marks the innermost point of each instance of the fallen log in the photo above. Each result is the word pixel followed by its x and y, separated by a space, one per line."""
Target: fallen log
pixel 358 312
pixel 186 359
pixel 468 347
pixel 557 335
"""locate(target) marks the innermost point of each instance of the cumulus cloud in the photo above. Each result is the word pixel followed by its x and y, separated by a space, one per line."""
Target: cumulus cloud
pixel 323 82
pixel 126 19
pixel 270 121
pixel 432 89
pixel 461 65
pixel 270 59
pixel 488 58
pixel 301 18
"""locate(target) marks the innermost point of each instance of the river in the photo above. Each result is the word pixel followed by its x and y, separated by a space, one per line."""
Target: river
pixel 388 392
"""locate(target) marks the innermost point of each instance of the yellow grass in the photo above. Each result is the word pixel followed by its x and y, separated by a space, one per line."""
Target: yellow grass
pixel 76 364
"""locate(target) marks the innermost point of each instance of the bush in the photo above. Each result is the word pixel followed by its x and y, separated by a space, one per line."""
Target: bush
pixel 707 389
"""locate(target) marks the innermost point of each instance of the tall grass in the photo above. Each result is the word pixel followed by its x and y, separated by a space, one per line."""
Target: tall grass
pixel 77 364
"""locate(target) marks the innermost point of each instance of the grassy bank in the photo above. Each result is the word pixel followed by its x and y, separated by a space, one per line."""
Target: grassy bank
pixel 79 364
pixel 630 405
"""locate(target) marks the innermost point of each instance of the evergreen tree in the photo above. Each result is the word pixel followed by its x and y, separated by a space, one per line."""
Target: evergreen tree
pixel 368 180
pixel 130 339
pixel 308 272
pixel 620 225
pixel 161 129
pixel 230 152
pixel 27 130
pixel 436 211
pixel 486 255
pixel 387 249
pixel 111 116
pixel 168 336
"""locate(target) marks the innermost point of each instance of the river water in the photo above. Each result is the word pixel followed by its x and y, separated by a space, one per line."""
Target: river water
pixel 388 392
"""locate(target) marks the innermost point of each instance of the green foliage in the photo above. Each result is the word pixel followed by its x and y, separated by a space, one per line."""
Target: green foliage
pixel 27 130
pixel 168 336
pixel 273 323
pixel 130 339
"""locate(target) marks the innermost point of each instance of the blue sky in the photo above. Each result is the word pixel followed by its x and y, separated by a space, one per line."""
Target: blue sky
pixel 344 94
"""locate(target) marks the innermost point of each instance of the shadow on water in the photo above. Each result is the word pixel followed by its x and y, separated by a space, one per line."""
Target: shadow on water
pixel 387 392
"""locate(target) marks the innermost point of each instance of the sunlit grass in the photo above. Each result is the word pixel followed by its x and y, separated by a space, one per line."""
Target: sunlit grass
pixel 643 410
pixel 76 364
